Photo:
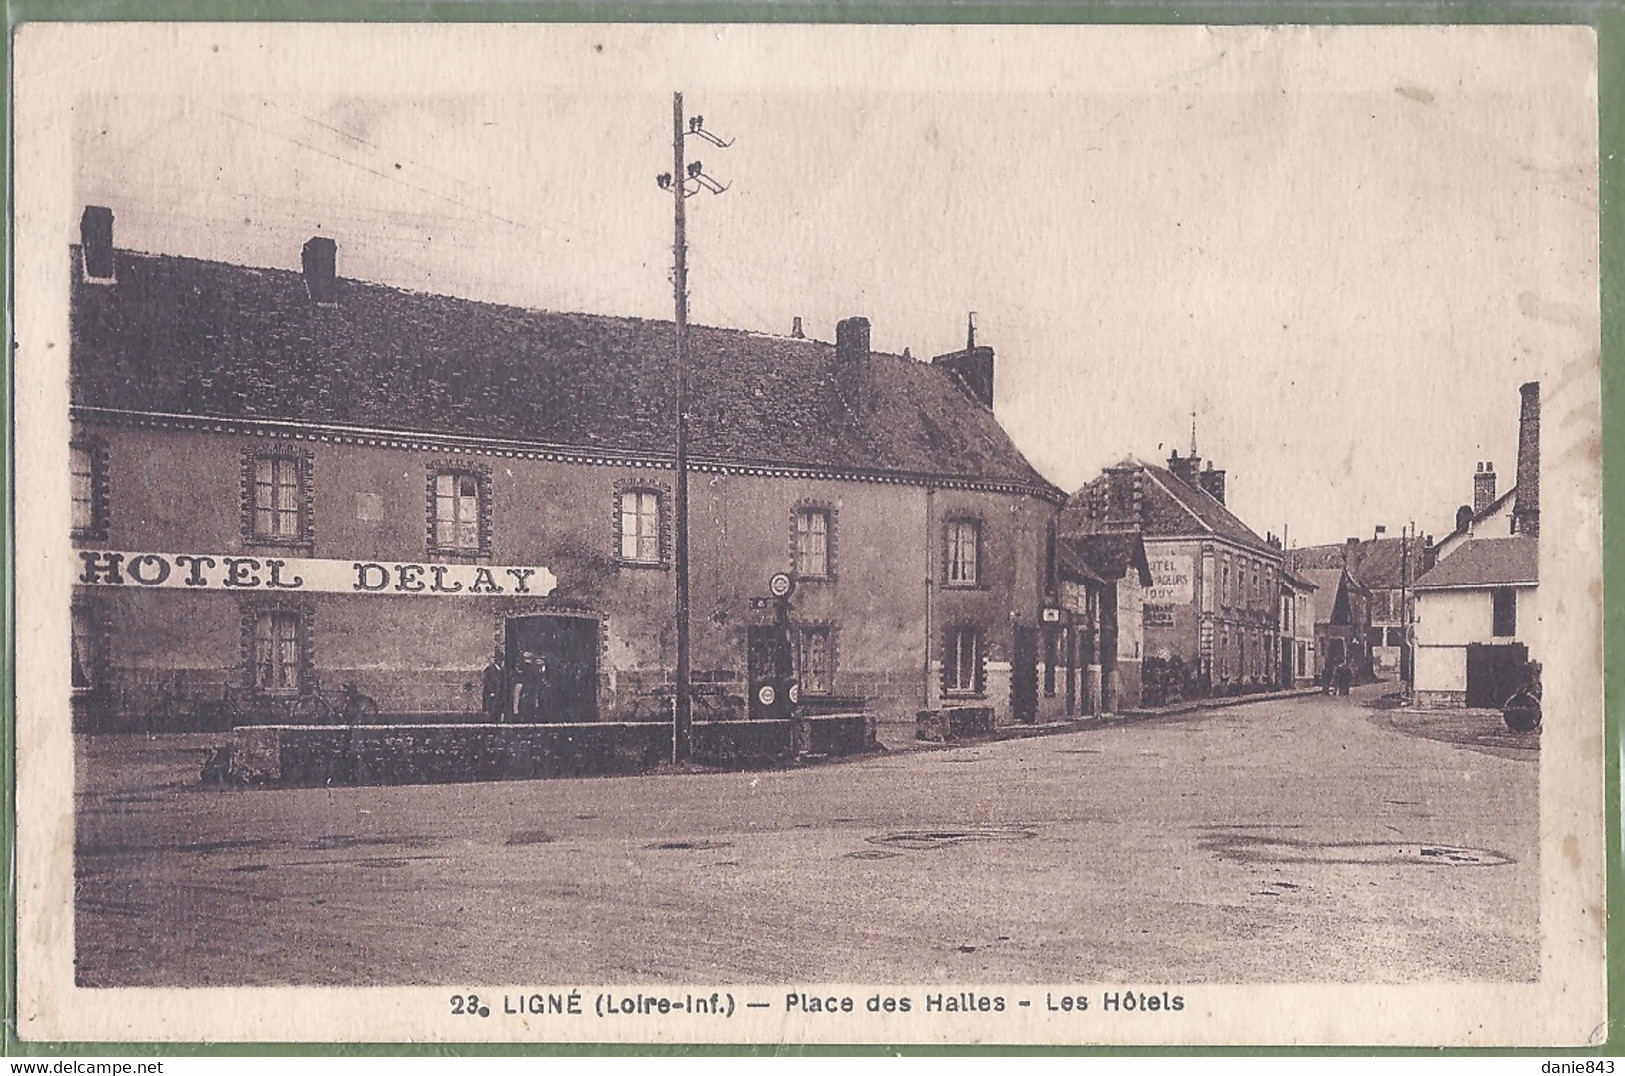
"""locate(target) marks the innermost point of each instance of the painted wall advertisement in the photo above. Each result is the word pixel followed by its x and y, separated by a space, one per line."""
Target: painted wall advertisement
pixel 1171 580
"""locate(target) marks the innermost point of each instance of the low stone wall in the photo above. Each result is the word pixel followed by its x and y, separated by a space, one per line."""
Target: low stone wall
pixel 316 755
pixel 1441 700
pixel 954 723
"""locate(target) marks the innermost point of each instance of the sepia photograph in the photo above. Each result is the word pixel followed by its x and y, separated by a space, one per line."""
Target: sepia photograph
pixel 939 534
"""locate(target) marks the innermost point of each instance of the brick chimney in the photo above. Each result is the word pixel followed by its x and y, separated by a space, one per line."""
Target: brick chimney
pixel 96 242
pixel 795 330
pixel 1349 547
pixel 852 363
pixel 1184 468
pixel 1483 487
pixel 1526 505
pixel 321 269
pixel 1213 482
pixel 973 371
pixel 1125 500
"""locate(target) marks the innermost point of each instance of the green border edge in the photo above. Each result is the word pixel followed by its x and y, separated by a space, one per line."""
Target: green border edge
pixel 1606 17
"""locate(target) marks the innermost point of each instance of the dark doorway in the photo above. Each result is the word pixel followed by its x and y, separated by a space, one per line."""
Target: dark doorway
pixel 1495 673
pixel 552 667
pixel 1024 675
pixel 768 654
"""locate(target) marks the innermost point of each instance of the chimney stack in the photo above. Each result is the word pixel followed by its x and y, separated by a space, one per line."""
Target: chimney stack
pixel 972 369
pixel 321 269
pixel 852 363
pixel 1483 487
pixel 795 330
pixel 1184 469
pixel 1213 482
pixel 1526 503
pixel 1124 498
pixel 96 242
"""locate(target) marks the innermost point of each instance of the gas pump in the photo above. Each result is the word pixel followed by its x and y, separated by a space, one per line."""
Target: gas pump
pixel 774 691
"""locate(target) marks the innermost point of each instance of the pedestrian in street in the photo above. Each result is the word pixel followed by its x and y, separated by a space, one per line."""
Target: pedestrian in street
pixel 1345 677
pixel 494 688
pixel 1327 673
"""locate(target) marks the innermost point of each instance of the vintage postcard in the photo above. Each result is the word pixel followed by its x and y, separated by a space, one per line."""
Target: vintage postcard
pixel 957 534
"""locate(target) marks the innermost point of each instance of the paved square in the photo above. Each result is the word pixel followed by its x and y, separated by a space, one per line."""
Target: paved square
pixel 1301 840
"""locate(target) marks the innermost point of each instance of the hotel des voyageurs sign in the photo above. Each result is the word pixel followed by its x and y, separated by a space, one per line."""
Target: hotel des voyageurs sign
pixel 305 575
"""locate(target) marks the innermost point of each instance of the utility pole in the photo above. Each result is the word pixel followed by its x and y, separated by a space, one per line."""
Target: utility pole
pixel 683 180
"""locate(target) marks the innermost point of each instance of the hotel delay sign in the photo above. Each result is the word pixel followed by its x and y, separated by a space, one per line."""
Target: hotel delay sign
pixel 221 571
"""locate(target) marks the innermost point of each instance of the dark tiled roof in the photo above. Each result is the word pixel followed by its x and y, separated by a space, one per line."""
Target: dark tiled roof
pixel 1111 555
pixel 1487 562
pixel 183 336
pixel 1295 579
pixel 1172 508
pixel 1378 563
pixel 1330 585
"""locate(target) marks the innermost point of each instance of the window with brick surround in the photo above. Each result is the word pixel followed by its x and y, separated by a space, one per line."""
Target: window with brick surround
pixel 278 505
pixel 279 647
pixel 813 532
pixel 459 504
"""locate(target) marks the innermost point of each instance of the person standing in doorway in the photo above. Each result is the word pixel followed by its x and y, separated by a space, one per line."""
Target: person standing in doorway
pixel 494 689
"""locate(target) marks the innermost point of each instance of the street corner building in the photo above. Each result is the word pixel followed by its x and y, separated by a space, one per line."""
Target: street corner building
pixel 1478 610
pixel 1210 616
pixel 288 481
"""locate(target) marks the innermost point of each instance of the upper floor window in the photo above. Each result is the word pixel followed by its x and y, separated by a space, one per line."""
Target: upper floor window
pixel 82 483
pixel 640 526
pixel 1506 611
pixel 812 545
pixel 277 495
pixel 964 551
pixel 460 511
pixel 87 488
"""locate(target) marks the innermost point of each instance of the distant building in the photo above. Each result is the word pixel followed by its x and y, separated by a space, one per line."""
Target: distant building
pixel 1386 568
pixel 1478 611
pixel 1297 630
pixel 1212 606
pixel 288 480
pixel 1341 608
pixel 1111 640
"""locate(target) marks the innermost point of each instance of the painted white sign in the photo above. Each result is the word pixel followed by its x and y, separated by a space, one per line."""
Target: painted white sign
pixel 305 575
pixel 1171 578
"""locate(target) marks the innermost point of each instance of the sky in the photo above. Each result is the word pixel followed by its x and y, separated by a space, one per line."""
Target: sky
pixel 1343 249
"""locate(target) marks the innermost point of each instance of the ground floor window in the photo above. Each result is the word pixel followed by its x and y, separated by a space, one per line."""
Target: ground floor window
pixel 86 651
pixel 962 662
pixel 815 664
pixel 278 651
